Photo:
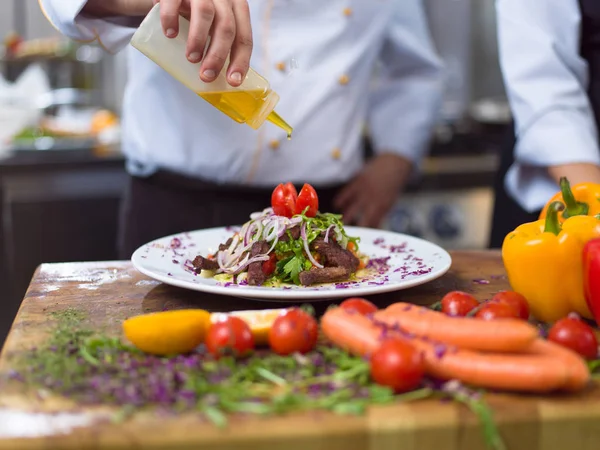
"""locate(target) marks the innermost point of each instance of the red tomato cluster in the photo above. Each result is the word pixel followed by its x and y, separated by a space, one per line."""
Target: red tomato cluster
pixel 574 333
pixel 504 304
pixel 229 336
pixel 570 332
pixel 286 201
pixel 294 331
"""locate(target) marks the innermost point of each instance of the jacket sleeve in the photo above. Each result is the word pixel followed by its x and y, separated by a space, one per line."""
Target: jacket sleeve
pixel 407 91
pixel 112 33
pixel 546 82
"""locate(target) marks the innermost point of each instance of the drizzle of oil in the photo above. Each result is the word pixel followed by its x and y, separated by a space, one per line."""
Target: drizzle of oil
pixel 242 105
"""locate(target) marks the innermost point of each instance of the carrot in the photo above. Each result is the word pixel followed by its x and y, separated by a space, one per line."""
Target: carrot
pixel 505 335
pixel 578 373
pixel 525 372
pixel 337 326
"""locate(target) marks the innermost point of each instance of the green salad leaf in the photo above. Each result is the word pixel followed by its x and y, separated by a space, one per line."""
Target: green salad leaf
pixel 291 255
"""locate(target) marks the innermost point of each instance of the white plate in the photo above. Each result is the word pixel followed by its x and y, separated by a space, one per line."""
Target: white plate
pixel 410 262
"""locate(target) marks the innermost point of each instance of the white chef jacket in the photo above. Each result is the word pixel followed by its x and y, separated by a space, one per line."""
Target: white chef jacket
pixel 546 81
pixel 319 56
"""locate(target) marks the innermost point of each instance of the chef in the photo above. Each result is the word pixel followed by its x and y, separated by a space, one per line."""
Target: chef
pixel 550 60
pixel 193 167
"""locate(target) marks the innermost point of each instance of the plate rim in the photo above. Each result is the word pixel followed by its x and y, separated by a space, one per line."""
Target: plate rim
pixel 278 294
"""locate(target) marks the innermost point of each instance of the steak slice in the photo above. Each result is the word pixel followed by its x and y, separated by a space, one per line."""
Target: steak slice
pixel 202 263
pixel 226 245
pixel 333 255
pixel 295 232
pixel 256 276
pixel 325 275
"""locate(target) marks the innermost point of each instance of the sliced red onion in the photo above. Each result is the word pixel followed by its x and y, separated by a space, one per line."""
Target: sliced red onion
pixel 262 214
pixel 247 232
pixel 235 267
pixel 295 221
pixel 306 248
pixel 247 262
pixel 327 233
pixel 234 243
pixel 275 241
pixel 271 231
pixel 221 260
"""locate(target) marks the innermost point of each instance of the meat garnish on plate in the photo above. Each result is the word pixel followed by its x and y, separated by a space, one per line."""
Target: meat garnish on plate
pixel 288 243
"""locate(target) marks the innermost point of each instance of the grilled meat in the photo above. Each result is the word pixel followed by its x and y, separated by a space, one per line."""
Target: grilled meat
pixel 256 276
pixel 325 275
pixel 201 263
pixel 333 255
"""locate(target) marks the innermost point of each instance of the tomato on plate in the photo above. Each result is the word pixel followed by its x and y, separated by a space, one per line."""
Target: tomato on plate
pixel 283 200
pixel 515 300
pixel 575 334
pixel 493 311
pixel 359 305
pixel 458 303
pixel 398 365
pixel 307 199
pixel 295 331
pixel 230 335
pixel 269 266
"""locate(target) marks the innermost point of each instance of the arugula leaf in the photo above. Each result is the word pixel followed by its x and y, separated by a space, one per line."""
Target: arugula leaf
pixel 293 268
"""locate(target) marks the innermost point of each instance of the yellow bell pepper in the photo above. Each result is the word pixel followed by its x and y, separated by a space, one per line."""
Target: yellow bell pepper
pixel 581 200
pixel 543 261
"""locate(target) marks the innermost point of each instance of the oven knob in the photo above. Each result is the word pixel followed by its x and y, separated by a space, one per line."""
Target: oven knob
pixel 446 221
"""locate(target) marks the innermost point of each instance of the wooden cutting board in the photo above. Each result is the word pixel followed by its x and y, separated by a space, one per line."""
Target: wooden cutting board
pixel 108 292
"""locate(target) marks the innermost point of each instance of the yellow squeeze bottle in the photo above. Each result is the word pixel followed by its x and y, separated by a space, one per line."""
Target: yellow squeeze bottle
pixel 251 103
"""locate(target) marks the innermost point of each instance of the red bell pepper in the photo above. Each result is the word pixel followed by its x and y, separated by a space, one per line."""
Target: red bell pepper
pixel 591 277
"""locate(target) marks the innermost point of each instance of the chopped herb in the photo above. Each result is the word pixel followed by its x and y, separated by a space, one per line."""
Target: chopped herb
pixel 94 369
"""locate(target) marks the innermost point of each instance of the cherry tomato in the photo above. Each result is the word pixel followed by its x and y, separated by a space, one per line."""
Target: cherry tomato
pixel 574 333
pixel 231 334
pixel 359 305
pixel 515 300
pixel 307 199
pixel 398 365
pixel 492 311
pixel 283 200
pixel 269 266
pixel 458 303
pixel 294 331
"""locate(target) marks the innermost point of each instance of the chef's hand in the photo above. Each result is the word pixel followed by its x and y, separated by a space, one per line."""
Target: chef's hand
pixel 576 173
pixel 372 193
pixel 228 22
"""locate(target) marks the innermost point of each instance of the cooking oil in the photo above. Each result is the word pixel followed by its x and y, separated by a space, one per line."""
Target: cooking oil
pixel 251 103
pixel 243 105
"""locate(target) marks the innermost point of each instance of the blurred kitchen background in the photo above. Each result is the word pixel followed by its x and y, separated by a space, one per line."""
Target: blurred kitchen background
pixel 62 174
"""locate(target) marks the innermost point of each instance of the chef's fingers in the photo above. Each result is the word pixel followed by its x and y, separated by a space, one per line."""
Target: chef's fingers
pixel 202 14
pixel 372 215
pixel 169 17
pixel 223 34
pixel 242 45
pixel 347 194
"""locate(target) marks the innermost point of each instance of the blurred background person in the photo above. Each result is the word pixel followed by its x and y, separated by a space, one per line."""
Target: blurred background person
pixel 550 60
pixel 193 167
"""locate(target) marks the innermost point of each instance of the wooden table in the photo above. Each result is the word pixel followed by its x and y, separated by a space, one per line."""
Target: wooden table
pixel 111 291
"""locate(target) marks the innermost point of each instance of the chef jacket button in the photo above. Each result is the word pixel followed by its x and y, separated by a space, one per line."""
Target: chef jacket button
pixel 344 80
pixel 347 12
pixel 274 144
pixel 280 66
pixel 336 153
